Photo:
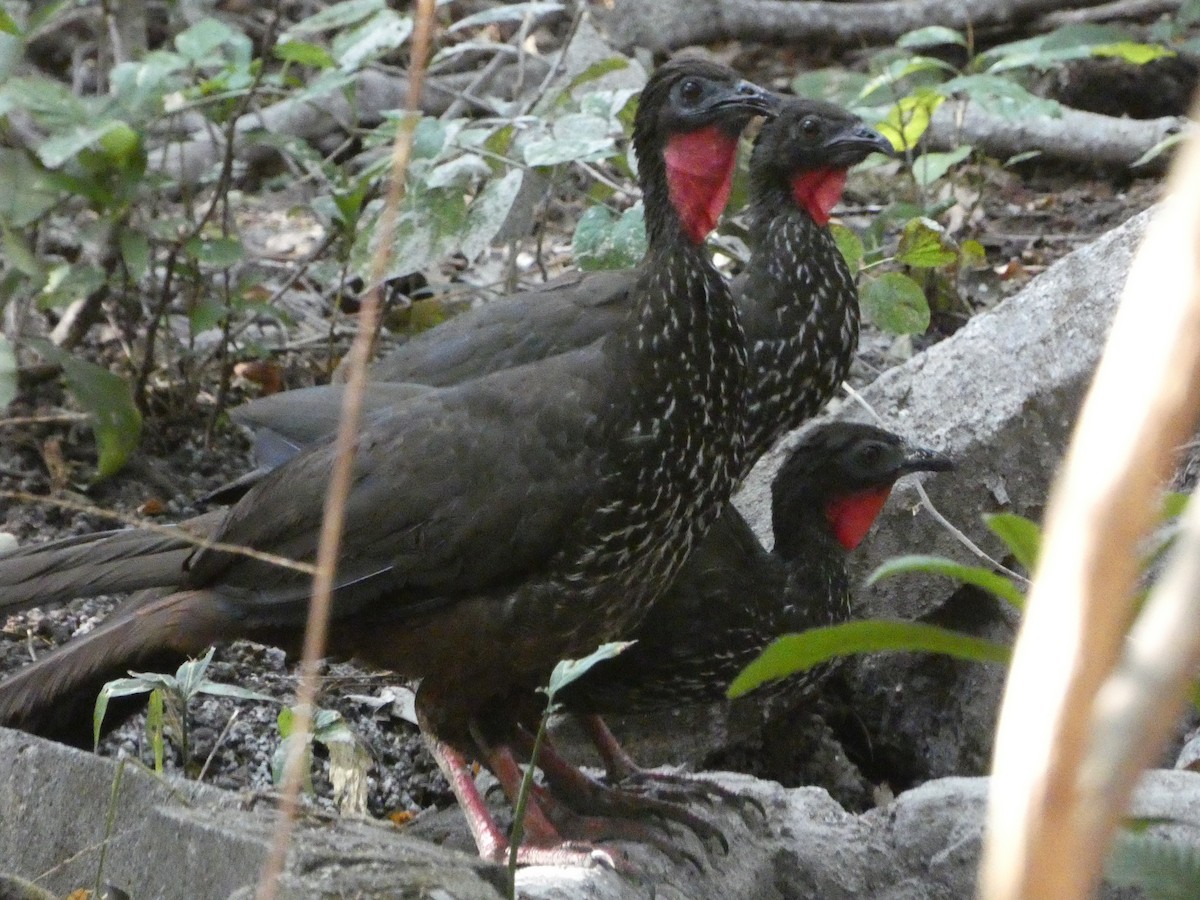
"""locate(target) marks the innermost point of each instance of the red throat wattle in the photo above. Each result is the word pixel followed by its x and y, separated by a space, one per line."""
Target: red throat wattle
pixel 819 191
pixel 699 176
pixel 852 517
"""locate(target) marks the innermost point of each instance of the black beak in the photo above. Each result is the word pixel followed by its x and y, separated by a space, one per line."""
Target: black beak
pixel 749 96
pixel 922 459
pixel 854 144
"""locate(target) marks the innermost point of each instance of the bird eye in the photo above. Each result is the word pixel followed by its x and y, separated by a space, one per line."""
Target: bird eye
pixel 811 126
pixel 870 454
pixel 690 91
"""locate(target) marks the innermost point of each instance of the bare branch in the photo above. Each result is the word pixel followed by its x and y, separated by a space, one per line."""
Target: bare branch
pixel 664 26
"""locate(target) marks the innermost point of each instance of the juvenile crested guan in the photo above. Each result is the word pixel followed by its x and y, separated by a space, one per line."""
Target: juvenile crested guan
pixel 733 597
pixel 498 526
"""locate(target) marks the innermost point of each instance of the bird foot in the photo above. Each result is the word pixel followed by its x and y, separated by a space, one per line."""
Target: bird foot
pixel 595 830
pixel 684 787
pixel 591 798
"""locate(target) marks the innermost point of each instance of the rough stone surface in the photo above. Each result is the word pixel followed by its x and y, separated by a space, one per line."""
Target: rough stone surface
pixel 173 839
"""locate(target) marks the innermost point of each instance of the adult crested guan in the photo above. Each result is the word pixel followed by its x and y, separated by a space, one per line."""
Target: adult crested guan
pixel 797 300
pixel 498 526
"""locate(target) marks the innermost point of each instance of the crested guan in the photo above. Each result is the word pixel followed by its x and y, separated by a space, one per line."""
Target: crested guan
pixel 797 300
pixel 497 526
pixel 733 597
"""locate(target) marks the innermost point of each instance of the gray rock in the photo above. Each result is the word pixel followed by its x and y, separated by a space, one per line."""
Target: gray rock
pixel 174 839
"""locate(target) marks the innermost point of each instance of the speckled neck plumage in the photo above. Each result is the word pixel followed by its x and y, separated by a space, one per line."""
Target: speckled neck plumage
pixel 800 309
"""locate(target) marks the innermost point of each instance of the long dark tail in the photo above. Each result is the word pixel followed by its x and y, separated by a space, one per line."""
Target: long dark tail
pixel 111 562
pixel 54 697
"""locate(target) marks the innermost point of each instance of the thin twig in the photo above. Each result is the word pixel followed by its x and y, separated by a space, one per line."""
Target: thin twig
pixel 329 547
pixel 177 532
pixel 217 744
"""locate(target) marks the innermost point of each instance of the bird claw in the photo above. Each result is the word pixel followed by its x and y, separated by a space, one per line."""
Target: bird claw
pixel 679 787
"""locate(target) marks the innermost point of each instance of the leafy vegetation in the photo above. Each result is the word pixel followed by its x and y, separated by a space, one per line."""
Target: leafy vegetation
pixel 169 702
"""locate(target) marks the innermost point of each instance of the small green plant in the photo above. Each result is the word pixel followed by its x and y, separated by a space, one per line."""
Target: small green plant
pixel 169 701
pixel 1160 869
pixel 566 672
pixel 349 760
pixel 900 282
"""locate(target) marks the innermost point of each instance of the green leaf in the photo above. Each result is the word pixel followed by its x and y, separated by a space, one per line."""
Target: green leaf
pixel 219 252
pixel 56 150
pixel 569 670
pixel 931 36
pixel 1162 869
pixel 120 687
pixel 849 244
pixel 488 212
pixel 459 172
pixel 428 229
pixel 285 721
pixel 971 253
pixel 1173 504
pixel 929 167
pixel 1158 149
pixel 8 373
pixel 199 43
pixel 191 674
pixel 20 256
pixel 909 118
pixel 206 314
pixel 135 253
pixel 982 578
pixel 797 652
pixel 218 689
pixel 155 720
pixel 1022 536
pixel 602 241
pixel 577 137
pixel 304 54
pixel 8 25
pixel 900 69
pixel 924 245
pixel 25 192
pixel 339 15
pixel 895 303
pixel 1132 52
pixel 106 397
pixel 1001 96
pixel 505 12
pixel 279 762
pixel 383 32
pixel 12 50
pixel 598 70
